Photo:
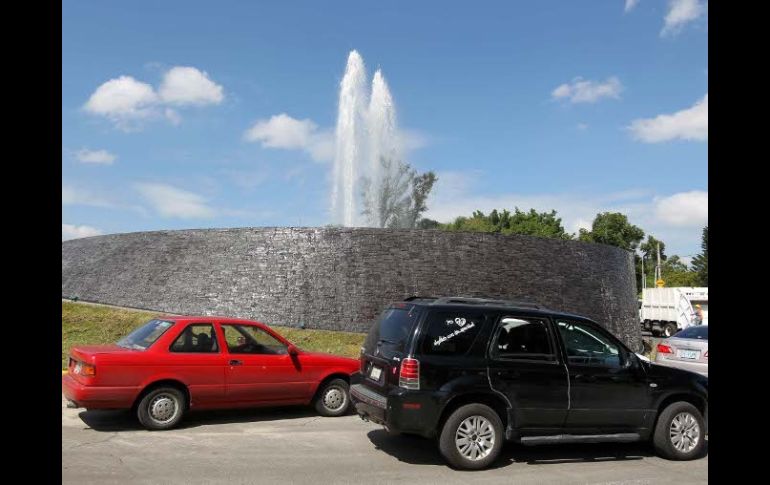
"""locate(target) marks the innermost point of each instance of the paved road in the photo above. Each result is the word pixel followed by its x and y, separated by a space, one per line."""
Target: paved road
pixel 293 445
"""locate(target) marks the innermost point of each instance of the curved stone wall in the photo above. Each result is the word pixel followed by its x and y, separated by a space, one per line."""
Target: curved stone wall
pixel 341 278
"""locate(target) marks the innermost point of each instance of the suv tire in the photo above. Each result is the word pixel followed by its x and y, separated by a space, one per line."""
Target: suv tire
pixel 680 432
pixel 472 437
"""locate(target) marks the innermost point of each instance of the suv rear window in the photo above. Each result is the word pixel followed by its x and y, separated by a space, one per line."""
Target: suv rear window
pixel 451 332
pixel 392 329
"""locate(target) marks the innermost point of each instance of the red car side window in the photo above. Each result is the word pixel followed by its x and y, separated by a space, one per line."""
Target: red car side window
pixel 196 338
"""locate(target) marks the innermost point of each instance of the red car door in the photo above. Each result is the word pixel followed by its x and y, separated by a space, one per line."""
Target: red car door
pixel 197 358
pixel 260 369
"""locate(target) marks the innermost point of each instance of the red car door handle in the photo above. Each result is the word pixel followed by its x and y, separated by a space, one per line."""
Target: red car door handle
pixel 236 362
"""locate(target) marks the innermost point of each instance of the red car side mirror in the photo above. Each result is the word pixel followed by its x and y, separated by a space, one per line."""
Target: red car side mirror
pixel 293 350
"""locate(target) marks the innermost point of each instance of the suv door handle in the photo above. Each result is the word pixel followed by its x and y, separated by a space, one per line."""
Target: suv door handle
pixel 236 362
pixel 508 373
pixel 585 378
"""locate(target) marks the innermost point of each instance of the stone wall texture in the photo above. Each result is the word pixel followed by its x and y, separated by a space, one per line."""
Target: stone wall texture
pixel 342 278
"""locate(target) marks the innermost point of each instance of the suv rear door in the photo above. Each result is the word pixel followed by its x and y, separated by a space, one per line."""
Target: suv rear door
pixel 386 344
pixel 525 366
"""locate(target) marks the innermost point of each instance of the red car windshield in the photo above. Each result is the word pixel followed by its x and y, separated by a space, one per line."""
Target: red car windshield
pixel 146 335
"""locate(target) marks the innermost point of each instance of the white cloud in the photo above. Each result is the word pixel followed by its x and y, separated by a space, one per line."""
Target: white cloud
pixel 630 4
pixel 322 147
pixel 170 201
pixel 283 131
pixel 188 86
pixel 72 196
pixel 128 102
pixel 122 100
pixel 99 157
pixel 411 140
pixel 675 219
pixel 580 91
pixel 582 126
pixel 172 116
pixel 688 124
pixel 684 209
pixel 70 231
pixel 681 12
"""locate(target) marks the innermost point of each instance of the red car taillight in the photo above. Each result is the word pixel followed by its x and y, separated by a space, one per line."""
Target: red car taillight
pixel 664 349
pixel 83 369
pixel 409 375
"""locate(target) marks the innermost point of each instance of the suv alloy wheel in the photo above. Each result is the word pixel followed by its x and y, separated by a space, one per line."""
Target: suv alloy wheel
pixel 472 437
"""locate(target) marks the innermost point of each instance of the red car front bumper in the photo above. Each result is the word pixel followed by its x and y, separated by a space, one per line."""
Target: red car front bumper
pixel 97 397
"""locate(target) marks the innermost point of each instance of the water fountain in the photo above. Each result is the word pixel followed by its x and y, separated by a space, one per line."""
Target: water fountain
pixel 366 133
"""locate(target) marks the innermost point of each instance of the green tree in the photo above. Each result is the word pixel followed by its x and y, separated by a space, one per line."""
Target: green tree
pixel 614 229
pixel 676 273
pixel 532 223
pixel 399 198
pixel 650 249
pixel 700 263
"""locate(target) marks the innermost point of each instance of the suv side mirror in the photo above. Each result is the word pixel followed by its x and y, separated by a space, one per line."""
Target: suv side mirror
pixel 632 362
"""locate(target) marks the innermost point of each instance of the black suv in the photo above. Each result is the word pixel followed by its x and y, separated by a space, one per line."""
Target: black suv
pixel 473 372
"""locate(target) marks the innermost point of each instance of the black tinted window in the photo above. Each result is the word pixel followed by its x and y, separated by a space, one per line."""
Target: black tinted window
pixel 523 338
pixel 701 332
pixel 392 330
pixel 451 332
pixel 588 346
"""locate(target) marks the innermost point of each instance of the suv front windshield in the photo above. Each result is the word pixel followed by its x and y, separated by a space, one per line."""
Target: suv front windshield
pixel 146 335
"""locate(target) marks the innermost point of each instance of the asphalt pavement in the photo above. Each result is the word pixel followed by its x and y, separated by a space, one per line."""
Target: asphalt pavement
pixel 295 446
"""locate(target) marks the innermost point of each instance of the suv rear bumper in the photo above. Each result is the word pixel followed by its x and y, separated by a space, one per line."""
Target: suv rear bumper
pixel 400 410
pixel 369 405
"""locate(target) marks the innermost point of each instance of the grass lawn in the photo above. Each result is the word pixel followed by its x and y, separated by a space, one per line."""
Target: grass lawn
pixel 84 324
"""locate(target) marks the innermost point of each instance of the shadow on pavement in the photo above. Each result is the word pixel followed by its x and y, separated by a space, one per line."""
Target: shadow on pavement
pixel 421 451
pixel 124 420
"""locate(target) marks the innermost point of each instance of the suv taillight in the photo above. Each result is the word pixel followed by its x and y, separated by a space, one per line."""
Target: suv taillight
pixel 409 375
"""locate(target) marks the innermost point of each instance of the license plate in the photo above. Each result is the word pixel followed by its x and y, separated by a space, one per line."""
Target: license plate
pixel 375 373
pixel 688 354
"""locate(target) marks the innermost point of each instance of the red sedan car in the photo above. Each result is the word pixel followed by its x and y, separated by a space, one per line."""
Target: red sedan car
pixel 173 364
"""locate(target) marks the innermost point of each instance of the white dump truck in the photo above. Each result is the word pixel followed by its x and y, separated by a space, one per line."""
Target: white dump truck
pixel 668 310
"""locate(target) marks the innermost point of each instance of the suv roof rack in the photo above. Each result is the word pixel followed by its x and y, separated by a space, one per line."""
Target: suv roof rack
pixel 415 297
pixel 485 301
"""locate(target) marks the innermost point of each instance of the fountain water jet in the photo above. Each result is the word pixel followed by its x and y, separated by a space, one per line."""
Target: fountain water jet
pixel 366 133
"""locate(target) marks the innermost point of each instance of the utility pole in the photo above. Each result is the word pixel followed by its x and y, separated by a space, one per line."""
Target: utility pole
pixel 658 275
pixel 644 280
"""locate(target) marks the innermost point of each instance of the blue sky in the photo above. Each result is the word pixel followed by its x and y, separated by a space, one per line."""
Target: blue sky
pixel 580 107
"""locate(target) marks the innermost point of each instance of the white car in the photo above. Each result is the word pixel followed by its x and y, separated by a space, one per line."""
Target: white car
pixel 687 349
